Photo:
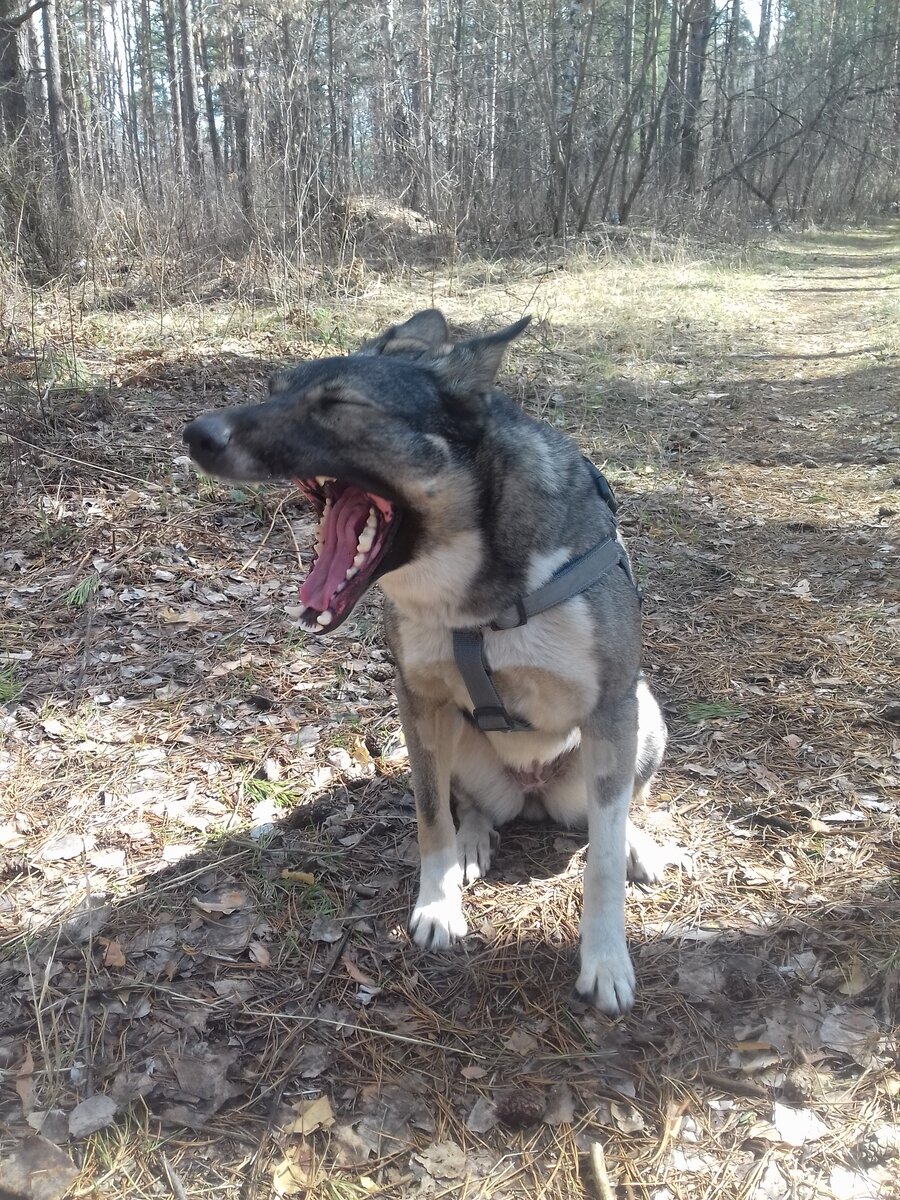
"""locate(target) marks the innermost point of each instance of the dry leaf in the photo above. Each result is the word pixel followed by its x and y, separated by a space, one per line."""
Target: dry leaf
pixel 853 1032
pixel 185 616
pixel 92 1114
pixel 37 1170
pixel 113 954
pixel 521 1041
pixel 294 1174
pixel 70 845
pixel 223 900
pixel 473 1072
pixel 443 1160
pixel 797 1126
pixel 325 929
pixel 312 1115
pixel 857 981
pixel 10 838
pixel 260 954
pixel 25 1082
pixel 312 1060
pixel 560 1105
pixel 482 1117
pixel 626 1117
pixel 355 973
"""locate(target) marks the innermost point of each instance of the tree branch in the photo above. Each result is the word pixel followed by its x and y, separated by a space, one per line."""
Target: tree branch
pixel 15 22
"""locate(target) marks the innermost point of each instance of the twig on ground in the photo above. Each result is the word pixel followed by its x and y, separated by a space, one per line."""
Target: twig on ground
pixel 601 1176
pixel 178 1189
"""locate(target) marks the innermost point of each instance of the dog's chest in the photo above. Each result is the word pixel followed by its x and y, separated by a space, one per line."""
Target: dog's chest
pixel 544 671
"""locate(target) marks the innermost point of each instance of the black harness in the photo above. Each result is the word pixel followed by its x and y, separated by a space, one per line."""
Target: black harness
pixel 574 577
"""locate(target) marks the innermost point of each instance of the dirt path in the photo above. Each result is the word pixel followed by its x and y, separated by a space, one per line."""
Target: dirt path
pixel 212 982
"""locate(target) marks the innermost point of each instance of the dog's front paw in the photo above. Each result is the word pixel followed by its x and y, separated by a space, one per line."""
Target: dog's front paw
pixel 645 862
pixel 436 924
pixel 607 981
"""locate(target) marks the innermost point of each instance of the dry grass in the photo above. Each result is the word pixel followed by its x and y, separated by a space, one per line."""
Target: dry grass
pixel 157 704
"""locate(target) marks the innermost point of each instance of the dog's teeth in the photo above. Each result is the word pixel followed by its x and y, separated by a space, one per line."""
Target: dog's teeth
pixel 351 571
pixel 359 559
pixel 324 618
pixel 321 480
pixel 366 538
pixel 372 522
pixel 307 627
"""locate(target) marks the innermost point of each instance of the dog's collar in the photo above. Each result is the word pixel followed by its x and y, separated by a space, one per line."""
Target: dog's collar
pixel 574 577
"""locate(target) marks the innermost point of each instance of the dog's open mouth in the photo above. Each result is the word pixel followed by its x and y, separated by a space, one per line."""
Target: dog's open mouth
pixel 356 529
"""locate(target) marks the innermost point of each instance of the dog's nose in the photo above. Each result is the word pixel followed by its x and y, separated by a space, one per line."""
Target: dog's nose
pixel 207 435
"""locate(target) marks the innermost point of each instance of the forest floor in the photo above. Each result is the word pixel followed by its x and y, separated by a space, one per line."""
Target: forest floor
pixel 206 988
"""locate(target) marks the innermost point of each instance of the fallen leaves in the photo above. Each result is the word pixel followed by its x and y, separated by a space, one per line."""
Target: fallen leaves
pixel 92 1114
pixel 312 1115
pixel 37 1170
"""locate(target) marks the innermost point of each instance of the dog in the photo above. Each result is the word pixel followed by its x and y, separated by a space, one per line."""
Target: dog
pixel 510 607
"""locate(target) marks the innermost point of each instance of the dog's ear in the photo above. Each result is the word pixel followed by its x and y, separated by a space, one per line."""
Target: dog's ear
pixel 470 368
pixel 425 333
pixel 279 382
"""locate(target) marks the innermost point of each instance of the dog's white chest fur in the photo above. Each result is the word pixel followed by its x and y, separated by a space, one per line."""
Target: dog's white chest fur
pixel 542 669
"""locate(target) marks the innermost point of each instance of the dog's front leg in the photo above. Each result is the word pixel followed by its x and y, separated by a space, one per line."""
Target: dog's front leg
pixel 607 976
pixel 437 918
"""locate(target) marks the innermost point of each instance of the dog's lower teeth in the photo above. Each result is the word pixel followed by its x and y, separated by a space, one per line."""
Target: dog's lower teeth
pixel 366 538
pixel 324 618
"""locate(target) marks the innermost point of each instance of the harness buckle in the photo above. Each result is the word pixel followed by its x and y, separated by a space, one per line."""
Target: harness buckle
pixel 494 719
pixel 519 605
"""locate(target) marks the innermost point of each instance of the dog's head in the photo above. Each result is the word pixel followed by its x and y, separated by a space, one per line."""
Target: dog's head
pixel 377 441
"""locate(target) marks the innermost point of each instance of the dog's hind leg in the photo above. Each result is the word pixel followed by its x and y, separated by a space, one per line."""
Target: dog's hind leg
pixel 476 839
pixel 486 795
pixel 645 861
pixel 608 755
pixel 437 917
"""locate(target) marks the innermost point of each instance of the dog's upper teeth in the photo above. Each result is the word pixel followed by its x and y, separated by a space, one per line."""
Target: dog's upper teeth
pixel 372 522
pixel 359 559
pixel 351 571
pixel 308 627
pixel 321 480
pixel 366 538
pixel 324 618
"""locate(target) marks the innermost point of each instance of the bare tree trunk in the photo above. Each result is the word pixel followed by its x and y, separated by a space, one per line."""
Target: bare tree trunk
pixel 241 119
pixel 146 77
pixel 56 114
pixel 699 20
pixel 674 90
pixel 176 120
pixel 13 106
pixel 188 88
pixel 212 130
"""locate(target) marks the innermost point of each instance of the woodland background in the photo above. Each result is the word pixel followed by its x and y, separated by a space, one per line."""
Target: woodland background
pixel 142 125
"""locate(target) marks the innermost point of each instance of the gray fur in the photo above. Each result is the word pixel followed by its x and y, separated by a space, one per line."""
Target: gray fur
pixel 493 502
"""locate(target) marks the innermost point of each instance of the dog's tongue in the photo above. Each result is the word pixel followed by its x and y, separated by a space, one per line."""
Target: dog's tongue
pixel 339 532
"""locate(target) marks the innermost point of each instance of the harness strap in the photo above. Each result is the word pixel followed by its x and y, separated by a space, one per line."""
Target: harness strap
pixel 489 713
pixel 570 580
